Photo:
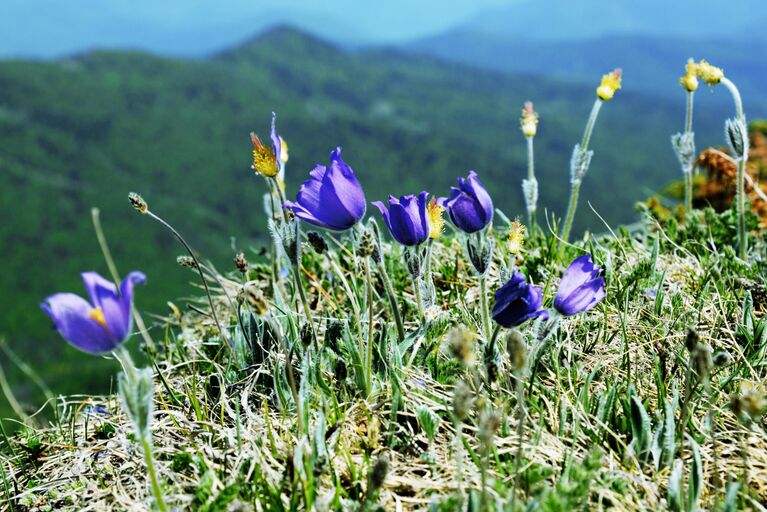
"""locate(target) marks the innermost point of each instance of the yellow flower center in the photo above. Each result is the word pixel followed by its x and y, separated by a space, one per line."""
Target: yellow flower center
pixel 264 161
pixel 611 82
pixel 97 314
pixel 283 151
pixel 436 222
pixel 516 237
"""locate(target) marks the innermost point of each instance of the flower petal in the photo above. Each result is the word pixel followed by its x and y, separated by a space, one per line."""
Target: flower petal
pixel 347 188
pixel 583 298
pixel 126 299
pixel 71 315
pixel 103 294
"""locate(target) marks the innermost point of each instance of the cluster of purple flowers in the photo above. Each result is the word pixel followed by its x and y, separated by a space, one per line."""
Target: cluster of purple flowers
pixel 582 287
pixel 332 198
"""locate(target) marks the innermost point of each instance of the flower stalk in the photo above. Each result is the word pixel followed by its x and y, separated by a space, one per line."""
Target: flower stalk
pixel 737 131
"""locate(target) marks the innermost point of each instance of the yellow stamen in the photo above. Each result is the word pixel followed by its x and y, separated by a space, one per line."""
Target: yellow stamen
pixel 690 79
pixel 436 222
pixel 611 82
pixel 712 75
pixel 283 151
pixel 516 237
pixel 97 314
pixel 264 161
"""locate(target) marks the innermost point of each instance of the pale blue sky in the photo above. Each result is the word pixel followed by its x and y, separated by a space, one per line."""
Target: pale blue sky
pixel 55 27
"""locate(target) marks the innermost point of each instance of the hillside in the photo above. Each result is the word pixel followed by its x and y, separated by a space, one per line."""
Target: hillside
pixel 84 131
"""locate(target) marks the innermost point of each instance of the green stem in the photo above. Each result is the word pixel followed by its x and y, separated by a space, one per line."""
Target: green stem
pixel 483 306
pixel 688 181
pixel 156 490
pixel 305 303
pixel 350 294
pixel 520 429
pixel 369 355
pixel 576 181
pixel 571 206
pixel 740 180
pixel 392 300
pixel 531 178
pixel 419 298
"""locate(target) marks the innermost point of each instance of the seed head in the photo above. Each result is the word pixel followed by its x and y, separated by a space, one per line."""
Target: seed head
pixel 460 341
pixel 138 202
pixel 241 263
pixel 186 261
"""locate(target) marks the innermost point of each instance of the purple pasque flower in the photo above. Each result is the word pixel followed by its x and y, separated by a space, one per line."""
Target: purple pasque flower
pixel 406 218
pixel 581 287
pixel 469 205
pixel 331 198
pixel 517 302
pixel 100 325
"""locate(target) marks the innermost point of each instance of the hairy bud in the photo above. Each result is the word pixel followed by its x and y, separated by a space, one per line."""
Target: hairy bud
pixel 136 394
pixel 684 147
pixel 737 136
pixel 317 242
pixel 579 164
pixel 241 263
pixel 517 350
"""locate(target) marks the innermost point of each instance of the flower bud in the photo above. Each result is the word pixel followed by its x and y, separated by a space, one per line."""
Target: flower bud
pixel 690 78
pixel 611 82
pixel 529 121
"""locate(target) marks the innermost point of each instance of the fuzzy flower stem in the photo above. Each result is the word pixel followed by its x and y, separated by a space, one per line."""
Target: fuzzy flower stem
pixel 688 181
pixel 349 293
pixel 305 302
pixel 531 177
pixel 189 250
pixel 576 185
pixel 156 489
pixel 419 298
pixel 369 353
pixel 124 358
pixel 392 301
pixel 520 429
pixel 483 296
pixel 740 192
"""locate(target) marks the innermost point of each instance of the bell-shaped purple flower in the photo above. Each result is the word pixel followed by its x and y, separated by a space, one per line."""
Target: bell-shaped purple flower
pixel 100 325
pixel 469 206
pixel 581 288
pixel 406 218
pixel 332 198
pixel 517 302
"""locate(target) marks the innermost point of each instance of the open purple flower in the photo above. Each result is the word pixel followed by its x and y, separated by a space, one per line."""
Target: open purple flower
pixel 581 288
pixel 332 198
pixel 406 218
pixel 516 302
pixel 100 325
pixel 469 205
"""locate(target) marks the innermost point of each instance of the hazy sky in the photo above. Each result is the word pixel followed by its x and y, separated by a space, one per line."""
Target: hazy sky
pixel 50 27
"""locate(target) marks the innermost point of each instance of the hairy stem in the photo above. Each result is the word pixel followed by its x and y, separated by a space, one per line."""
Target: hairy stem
pixel 531 177
pixel 392 300
pixel 576 181
pixel 146 444
pixel 740 179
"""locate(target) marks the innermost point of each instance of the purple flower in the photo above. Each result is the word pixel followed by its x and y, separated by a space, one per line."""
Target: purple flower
pixel 517 302
pixel 581 288
pixel 101 325
pixel 332 198
pixel 406 218
pixel 469 205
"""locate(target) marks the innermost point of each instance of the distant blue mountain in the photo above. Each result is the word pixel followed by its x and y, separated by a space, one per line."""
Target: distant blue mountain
pixel 651 63
pixel 567 20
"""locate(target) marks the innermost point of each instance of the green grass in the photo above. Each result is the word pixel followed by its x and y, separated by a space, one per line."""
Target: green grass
pixel 603 397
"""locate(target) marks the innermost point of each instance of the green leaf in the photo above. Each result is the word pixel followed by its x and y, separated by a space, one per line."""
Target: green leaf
pixel 675 487
pixel 696 478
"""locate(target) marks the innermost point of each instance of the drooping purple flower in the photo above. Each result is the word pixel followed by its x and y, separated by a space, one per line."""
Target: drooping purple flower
pixel 100 325
pixel 406 218
pixel 331 198
pixel 517 302
pixel 469 205
pixel 581 288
